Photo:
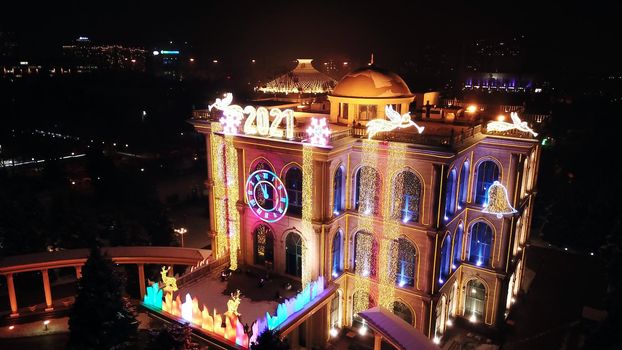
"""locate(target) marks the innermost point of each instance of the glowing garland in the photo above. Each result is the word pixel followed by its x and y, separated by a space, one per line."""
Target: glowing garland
pixel 497 202
pixel 233 196
pixel 220 209
pixel 516 124
pixel 395 121
pixel 307 211
pixel 389 246
pixel 364 242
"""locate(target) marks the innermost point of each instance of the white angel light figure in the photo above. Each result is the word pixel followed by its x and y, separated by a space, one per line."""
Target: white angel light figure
pixel 395 121
pixel 223 103
pixel 517 124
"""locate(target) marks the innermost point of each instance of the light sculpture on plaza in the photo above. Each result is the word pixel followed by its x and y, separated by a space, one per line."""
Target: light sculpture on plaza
pixel 396 121
pixel 211 322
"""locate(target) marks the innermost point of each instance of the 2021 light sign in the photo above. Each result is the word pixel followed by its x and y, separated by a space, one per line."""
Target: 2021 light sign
pixel 266 195
pixel 258 120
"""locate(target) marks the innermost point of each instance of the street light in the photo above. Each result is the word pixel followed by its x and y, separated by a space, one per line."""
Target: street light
pixel 46 323
pixel 181 231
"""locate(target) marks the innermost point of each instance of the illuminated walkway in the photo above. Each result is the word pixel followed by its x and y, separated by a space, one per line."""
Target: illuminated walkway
pixel 75 258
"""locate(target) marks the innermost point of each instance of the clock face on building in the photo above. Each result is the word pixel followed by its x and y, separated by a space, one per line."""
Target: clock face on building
pixel 266 195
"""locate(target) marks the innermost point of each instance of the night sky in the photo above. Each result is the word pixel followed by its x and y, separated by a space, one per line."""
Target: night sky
pixel 574 37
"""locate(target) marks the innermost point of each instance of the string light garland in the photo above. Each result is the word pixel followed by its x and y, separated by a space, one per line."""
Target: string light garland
pixel 307 211
pixel 389 247
pixel 220 210
pixel 233 196
pixel 364 237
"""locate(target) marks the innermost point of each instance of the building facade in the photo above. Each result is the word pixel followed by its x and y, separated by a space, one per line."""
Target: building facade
pixel 397 219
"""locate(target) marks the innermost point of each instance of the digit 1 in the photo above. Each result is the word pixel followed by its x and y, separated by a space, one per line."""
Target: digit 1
pixel 289 123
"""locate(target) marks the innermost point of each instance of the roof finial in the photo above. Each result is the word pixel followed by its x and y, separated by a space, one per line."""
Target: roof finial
pixel 371 63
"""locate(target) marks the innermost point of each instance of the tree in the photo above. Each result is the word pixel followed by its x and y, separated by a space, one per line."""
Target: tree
pixel 102 317
pixel 269 340
pixel 172 337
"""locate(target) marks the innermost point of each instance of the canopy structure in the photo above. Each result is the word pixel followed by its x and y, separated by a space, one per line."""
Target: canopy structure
pixel 395 331
pixel 303 79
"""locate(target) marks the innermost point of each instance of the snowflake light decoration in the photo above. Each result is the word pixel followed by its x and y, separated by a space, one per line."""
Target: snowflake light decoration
pixel 318 132
pixel 231 121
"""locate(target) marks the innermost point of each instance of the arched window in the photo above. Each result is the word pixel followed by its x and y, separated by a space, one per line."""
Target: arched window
pixel 445 266
pixel 402 311
pixel 487 173
pixel 450 194
pixel 441 314
pixel 264 245
pixel 337 255
pixel 262 165
pixel 464 184
pixel 458 246
pixel 367 194
pixel 338 190
pixel 293 183
pixel 335 311
pixel 475 301
pixel 406 255
pixel 480 244
pixel 407 195
pixel 365 254
pixel 293 254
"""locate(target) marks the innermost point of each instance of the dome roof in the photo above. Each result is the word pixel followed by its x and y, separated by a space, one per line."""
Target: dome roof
pixel 372 82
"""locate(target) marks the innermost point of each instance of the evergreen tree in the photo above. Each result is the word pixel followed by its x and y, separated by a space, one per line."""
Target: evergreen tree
pixel 269 340
pixel 102 317
pixel 172 337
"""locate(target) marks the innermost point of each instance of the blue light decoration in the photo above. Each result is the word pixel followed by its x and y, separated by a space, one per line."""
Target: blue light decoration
pixel 288 308
pixel 153 297
pixel 169 52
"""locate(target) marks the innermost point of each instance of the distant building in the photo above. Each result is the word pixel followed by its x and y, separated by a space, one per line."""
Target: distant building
pixel 84 57
pixel 167 63
pixel 304 79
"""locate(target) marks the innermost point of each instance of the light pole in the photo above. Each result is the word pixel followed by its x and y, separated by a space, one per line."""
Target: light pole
pixel 181 231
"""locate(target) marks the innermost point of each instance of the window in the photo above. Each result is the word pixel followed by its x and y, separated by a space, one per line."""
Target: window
pixel 450 194
pixel 445 266
pixel 337 256
pixel 367 194
pixel 365 254
pixel 367 112
pixel 458 246
pixel 261 165
pixel 480 244
pixel 293 183
pixel 441 311
pixel 293 254
pixel 264 245
pixel 344 115
pixel 335 311
pixel 487 173
pixel 475 303
pixel 402 311
pixel 338 189
pixel 406 255
pixel 464 184
pixel 407 197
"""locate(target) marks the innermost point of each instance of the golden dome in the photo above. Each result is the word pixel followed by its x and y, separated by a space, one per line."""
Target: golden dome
pixel 371 82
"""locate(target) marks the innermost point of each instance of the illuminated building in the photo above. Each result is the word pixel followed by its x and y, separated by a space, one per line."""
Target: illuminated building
pixel 303 79
pixel 399 219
